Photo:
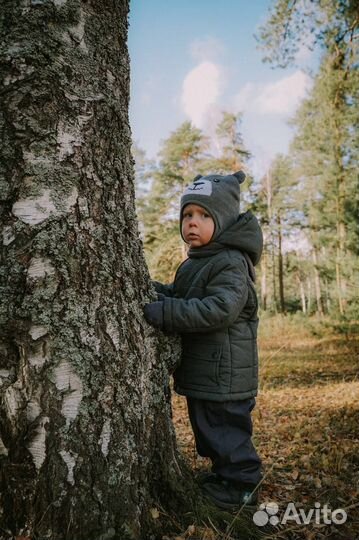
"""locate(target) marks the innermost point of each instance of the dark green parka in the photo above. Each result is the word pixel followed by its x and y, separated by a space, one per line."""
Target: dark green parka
pixel 213 305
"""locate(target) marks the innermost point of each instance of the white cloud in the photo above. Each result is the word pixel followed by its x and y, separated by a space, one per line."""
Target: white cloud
pixel 281 97
pixel 206 49
pixel 244 99
pixel 201 89
pixel 284 96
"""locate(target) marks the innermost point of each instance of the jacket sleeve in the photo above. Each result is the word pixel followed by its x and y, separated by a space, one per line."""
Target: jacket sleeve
pixel 161 288
pixel 226 295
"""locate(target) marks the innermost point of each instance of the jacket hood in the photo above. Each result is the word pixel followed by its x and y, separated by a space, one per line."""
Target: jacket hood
pixel 245 235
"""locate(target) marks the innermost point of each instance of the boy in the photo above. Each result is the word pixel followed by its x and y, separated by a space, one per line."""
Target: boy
pixel 213 305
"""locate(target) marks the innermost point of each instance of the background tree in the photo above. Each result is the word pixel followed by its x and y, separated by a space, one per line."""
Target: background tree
pixel 87 445
pixel 292 24
pixel 232 153
pixel 324 155
pixel 326 144
pixel 273 202
pixel 144 170
pixel 180 158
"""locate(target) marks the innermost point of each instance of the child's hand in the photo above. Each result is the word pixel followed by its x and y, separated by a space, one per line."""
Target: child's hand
pixel 154 313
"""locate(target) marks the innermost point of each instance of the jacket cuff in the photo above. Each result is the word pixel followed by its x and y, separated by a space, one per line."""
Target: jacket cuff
pixel 157 285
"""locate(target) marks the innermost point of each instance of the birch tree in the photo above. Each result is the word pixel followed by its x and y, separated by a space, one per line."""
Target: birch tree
pixel 87 445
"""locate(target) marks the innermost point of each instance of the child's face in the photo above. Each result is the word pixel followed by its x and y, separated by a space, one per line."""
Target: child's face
pixel 197 225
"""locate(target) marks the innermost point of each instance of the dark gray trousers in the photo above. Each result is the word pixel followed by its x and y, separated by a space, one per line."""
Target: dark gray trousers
pixel 223 431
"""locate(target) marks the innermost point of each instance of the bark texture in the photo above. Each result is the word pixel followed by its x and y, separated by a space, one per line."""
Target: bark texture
pixel 87 446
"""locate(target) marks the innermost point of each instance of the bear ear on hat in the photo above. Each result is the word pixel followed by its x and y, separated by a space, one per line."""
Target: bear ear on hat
pixel 197 177
pixel 240 176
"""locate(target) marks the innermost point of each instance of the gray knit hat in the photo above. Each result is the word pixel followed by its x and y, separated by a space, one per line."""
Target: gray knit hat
pixel 219 195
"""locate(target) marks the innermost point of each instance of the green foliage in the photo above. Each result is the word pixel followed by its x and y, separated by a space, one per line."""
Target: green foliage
pixel 233 151
pixel 293 24
pixel 307 201
pixel 322 194
pixel 158 210
pixel 324 157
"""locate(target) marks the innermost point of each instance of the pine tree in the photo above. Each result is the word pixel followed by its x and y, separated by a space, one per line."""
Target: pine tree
pixel 323 153
pixel 232 152
pixel 326 146
pixel 276 211
pixel 291 25
pixel 180 159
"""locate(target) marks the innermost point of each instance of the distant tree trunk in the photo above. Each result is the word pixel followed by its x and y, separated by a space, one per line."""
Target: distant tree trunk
pixel 268 187
pixel 340 246
pixel 280 265
pixel 302 292
pixel 309 295
pixel 264 280
pixel 327 295
pixel 318 290
pixel 338 103
pixel 274 279
pixel 87 442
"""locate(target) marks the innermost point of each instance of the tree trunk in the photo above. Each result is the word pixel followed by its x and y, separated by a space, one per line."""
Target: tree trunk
pixel 274 279
pixel 87 442
pixel 280 266
pixel 271 245
pixel 264 278
pixel 327 295
pixel 302 293
pixel 318 289
pixel 340 245
pixel 309 295
pixel 338 104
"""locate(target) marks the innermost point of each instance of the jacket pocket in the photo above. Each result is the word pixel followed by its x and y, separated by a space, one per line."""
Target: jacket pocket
pixel 201 368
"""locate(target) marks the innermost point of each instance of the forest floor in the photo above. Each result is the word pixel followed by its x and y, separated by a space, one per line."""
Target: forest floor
pixel 306 430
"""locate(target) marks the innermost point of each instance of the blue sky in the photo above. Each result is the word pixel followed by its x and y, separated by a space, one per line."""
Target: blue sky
pixel 190 60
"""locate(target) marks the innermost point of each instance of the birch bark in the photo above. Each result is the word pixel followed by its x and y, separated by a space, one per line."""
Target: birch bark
pixel 87 445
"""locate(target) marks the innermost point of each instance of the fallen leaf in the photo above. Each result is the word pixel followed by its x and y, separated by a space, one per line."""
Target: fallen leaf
pixel 317 483
pixel 191 529
pixel 209 534
pixel 154 513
